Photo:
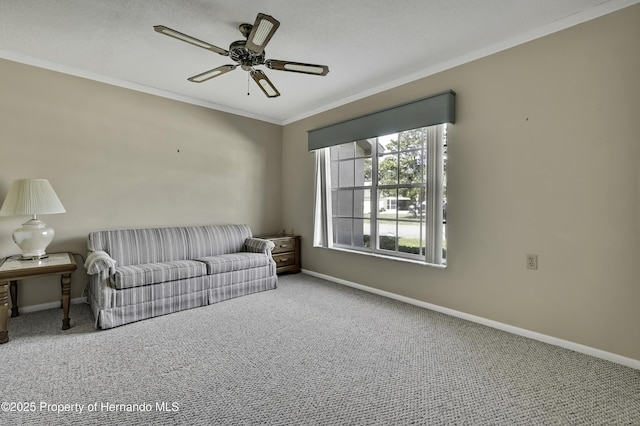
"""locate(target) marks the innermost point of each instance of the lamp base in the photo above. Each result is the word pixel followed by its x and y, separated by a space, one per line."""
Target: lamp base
pixel 29 258
pixel 33 239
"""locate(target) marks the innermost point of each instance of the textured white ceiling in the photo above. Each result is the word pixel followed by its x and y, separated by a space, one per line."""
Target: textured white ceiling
pixel 369 45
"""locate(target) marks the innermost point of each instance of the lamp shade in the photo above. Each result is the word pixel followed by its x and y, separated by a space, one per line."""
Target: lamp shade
pixel 30 197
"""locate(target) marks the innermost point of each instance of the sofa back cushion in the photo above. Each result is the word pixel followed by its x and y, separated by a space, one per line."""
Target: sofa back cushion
pixel 150 245
pixel 140 246
pixel 214 240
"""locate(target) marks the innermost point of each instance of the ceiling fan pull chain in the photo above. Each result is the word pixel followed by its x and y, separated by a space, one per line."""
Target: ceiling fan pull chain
pixel 248 86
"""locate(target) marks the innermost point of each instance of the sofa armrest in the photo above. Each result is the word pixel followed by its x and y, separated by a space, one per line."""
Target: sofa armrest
pixel 99 262
pixel 259 245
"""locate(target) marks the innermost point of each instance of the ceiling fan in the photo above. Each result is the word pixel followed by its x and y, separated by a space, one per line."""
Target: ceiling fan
pixel 248 53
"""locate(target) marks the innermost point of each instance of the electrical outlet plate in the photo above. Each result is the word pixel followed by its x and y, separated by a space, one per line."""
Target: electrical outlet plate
pixel 532 261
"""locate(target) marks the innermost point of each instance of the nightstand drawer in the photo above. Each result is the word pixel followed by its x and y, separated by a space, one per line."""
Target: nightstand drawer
pixel 284 245
pixel 285 259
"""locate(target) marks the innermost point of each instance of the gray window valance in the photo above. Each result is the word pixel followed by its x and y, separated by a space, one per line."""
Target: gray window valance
pixel 436 109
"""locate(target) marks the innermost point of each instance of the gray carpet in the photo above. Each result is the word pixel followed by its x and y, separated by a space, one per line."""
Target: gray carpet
pixel 309 353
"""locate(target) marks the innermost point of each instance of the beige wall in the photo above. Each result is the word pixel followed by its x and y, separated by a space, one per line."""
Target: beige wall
pixel 121 158
pixel 544 158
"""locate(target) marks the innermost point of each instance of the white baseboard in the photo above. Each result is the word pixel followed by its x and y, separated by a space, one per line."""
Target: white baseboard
pixel 618 359
pixel 45 306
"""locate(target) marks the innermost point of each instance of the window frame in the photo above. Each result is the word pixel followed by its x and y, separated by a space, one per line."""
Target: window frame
pixel 433 151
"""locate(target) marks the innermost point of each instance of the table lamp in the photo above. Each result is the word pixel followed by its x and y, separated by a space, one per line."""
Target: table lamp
pixel 31 197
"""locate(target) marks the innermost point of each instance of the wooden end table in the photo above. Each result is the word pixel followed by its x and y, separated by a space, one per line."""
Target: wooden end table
pixel 286 253
pixel 13 270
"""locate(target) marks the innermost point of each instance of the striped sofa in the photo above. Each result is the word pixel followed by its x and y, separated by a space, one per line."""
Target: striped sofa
pixel 135 274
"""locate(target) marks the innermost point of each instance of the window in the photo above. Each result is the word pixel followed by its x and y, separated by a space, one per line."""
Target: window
pixel 381 181
pixel 387 193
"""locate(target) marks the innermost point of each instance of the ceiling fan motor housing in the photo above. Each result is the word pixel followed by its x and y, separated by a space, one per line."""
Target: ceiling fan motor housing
pixel 247 59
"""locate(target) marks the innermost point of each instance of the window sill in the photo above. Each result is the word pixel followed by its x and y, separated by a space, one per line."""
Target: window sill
pixel 382 256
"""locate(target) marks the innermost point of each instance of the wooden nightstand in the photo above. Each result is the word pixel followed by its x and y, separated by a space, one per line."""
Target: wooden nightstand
pixel 286 253
pixel 13 270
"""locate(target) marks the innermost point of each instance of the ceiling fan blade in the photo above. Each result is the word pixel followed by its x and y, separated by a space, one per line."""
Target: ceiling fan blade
pixel 208 75
pixel 297 67
pixel 265 84
pixel 262 31
pixel 180 36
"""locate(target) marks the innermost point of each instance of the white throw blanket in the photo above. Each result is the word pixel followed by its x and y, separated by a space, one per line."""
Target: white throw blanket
pixel 99 262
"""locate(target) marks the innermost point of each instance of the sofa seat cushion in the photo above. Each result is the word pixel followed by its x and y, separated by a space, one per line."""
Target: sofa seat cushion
pixel 234 262
pixel 153 273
